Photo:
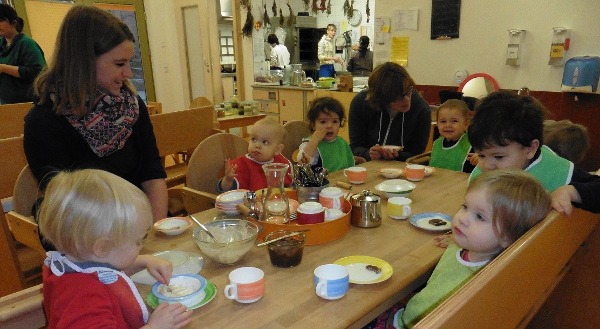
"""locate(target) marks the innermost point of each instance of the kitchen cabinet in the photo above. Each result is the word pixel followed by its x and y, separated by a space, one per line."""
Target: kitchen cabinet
pixel 284 103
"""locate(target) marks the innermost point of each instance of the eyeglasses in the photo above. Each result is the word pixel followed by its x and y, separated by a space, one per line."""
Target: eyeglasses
pixel 407 94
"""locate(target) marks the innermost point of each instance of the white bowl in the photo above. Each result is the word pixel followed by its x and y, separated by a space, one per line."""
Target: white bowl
pixel 395 187
pixel 235 196
pixel 187 289
pixel 391 172
pixel 391 147
pixel 172 225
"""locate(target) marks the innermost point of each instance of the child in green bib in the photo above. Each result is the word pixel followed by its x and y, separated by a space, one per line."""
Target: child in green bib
pixel 325 148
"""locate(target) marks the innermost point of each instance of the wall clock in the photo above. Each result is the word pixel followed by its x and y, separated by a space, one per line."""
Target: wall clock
pixel 356 18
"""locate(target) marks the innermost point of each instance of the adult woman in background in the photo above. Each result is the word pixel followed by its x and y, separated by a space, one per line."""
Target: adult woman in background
pixel 361 62
pixel 389 112
pixel 89 115
pixel 21 59
pixel 280 56
pixel 326 53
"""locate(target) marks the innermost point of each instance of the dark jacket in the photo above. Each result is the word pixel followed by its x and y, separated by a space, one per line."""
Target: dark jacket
pixel 29 57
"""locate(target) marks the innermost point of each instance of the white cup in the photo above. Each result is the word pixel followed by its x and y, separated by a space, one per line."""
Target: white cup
pixel 331 197
pixel 333 214
pixel 311 213
pixel 246 284
pixel 356 175
pixel 399 207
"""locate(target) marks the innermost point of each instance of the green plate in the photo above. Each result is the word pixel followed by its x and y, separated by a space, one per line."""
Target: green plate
pixel 210 290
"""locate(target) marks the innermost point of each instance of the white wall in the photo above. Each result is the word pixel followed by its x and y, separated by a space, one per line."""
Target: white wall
pixel 483 40
pixel 481 47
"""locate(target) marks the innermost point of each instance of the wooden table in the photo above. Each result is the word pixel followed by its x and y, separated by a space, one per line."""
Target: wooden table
pixel 242 121
pixel 290 301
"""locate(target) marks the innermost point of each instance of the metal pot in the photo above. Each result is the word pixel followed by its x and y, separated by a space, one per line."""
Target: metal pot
pixel 366 209
pixel 297 76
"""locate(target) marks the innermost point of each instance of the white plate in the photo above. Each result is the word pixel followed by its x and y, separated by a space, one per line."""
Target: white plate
pixel 357 268
pixel 395 186
pixel 422 221
pixel 429 170
pixel 391 147
pixel 183 263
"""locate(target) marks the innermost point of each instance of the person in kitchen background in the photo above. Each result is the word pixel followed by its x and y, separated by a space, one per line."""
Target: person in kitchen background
pixel 361 62
pixel 280 56
pixel 326 53
pixel 389 112
pixel 21 59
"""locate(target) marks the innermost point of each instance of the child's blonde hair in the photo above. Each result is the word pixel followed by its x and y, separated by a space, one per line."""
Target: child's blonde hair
pixel 458 105
pixel 518 201
pixel 274 124
pixel 569 140
pixel 84 206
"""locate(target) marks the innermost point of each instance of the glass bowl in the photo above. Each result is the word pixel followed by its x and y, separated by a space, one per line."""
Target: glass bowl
pixel 235 238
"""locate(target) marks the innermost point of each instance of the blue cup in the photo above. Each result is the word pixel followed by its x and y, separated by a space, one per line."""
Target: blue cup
pixel 331 281
pixel 326 71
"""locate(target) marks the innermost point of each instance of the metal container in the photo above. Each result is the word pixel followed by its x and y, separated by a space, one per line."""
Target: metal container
pixel 306 194
pixel 297 76
pixel 366 209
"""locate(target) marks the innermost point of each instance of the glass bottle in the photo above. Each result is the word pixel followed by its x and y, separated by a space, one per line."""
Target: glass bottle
pixel 275 203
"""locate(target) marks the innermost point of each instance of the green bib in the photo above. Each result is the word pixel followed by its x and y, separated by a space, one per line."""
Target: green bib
pixel 452 158
pixel 335 155
pixel 550 169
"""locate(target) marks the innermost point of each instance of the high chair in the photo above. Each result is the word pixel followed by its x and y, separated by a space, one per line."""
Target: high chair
pixel 295 131
pixel 422 159
pixel 23 309
pixel 207 162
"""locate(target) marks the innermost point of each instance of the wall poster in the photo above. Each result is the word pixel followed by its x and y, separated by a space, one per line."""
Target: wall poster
pixel 445 19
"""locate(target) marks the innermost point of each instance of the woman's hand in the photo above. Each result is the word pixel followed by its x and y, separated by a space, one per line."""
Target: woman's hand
pixel 375 152
pixel 167 316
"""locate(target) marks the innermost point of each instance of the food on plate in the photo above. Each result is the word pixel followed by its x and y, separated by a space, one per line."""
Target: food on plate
pixel 437 222
pixel 174 290
pixel 373 268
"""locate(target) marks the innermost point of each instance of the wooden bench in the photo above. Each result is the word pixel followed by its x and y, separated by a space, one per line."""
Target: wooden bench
pixel 510 290
pixel 23 309
pixel 12 118
pixel 178 132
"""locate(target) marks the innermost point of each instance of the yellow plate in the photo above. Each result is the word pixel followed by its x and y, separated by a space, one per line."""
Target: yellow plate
pixel 359 274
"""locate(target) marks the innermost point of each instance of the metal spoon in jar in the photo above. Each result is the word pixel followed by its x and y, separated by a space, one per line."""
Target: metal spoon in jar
pixel 203 228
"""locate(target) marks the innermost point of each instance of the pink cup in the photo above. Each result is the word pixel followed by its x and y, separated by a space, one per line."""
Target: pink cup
pixel 331 197
pixel 310 213
pixel 246 285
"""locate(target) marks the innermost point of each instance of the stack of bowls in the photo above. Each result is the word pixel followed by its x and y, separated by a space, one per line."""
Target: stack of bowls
pixel 395 187
pixel 228 201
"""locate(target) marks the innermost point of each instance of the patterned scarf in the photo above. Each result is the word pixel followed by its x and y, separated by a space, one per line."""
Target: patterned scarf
pixel 108 126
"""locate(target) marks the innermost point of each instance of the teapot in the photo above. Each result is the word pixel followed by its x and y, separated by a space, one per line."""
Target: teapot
pixel 297 76
pixel 366 209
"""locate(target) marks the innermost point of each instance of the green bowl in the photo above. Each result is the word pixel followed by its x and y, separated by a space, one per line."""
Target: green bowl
pixel 326 83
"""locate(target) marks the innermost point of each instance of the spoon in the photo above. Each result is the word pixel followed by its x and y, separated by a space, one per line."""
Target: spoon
pixel 281 238
pixel 203 228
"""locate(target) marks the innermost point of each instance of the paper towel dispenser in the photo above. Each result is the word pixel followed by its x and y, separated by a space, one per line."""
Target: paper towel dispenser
pixel 581 74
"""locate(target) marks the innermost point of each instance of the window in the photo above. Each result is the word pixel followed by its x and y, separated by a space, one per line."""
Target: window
pixel 226 42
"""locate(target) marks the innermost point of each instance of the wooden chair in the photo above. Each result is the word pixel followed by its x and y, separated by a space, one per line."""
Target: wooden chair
pixel 200 101
pixel 23 309
pixel 509 291
pixel 20 219
pixel 206 165
pixel 12 162
pixel 154 108
pixel 422 158
pixel 295 131
pixel 180 132
pixel 12 119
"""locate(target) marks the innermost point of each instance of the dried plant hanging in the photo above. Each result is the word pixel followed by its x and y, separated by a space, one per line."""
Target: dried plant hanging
pixel 306 3
pixel 249 24
pixel 346 6
pixel 322 5
pixel 329 7
pixel 368 11
pixel 266 19
pixel 315 7
pixel 351 10
pixel 274 8
pixel 245 4
pixel 291 18
pixel 281 19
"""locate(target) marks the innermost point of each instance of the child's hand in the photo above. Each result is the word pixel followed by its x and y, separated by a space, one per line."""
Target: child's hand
pixel 375 152
pixel 443 241
pixel 305 159
pixel 562 198
pixel 167 316
pixel 230 169
pixel 160 269
pixel 319 134
pixel 473 158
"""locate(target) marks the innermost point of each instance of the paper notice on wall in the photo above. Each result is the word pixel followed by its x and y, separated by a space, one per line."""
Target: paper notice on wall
pixel 406 19
pixel 399 50
pixel 381 56
pixel 382 30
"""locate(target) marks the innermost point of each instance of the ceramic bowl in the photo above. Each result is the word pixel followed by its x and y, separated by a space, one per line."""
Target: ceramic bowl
pixel 391 147
pixel 235 238
pixel 187 289
pixel 391 172
pixel 395 187
pixel 172 225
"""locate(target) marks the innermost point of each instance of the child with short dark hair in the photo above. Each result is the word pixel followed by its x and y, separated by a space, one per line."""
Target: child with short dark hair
pixel 325 148
pixel 567 139
pixel 507 133
pixel 500 206
pixel 265 146
pixel 452 149
pixel 97 222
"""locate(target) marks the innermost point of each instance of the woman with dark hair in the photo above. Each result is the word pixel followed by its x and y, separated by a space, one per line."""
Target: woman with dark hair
pixel 89 114
pixel 361 62
pixel 21 59
pixel 280 56
pixel 390 112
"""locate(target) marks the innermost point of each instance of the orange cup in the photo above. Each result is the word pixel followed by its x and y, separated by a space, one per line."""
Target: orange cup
pixel 414 172
pixel 356 175
pixel 246 284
